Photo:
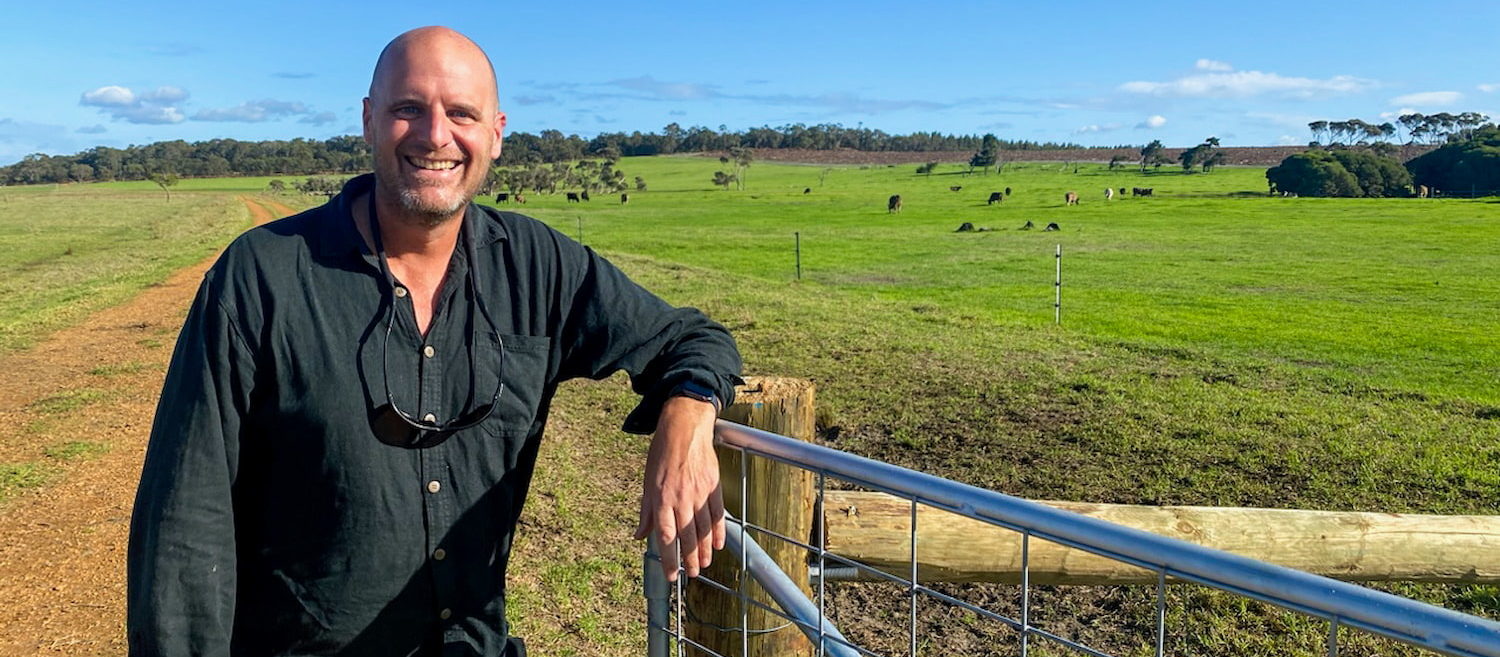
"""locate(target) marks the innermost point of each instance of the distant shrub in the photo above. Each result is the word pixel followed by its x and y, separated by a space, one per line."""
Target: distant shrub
pixel 1341 173
pixel 1472 164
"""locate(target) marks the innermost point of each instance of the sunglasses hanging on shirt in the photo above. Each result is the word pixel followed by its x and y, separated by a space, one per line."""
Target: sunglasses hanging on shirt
pixel 396 427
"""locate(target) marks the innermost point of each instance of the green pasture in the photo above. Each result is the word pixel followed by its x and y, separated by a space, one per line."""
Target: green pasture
pixel 72 250
pixel 1399 294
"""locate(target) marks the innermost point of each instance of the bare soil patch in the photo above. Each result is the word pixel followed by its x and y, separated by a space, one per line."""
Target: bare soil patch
pixel 79 406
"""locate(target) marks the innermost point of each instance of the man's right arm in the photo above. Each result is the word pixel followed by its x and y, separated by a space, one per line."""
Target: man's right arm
pixel 181 561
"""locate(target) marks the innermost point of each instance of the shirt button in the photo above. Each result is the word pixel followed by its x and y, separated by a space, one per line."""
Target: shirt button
pixel 429 418
pixel 439 554
pixel 433 486
pixel 445 614
pixel 400 291
pixel 428 351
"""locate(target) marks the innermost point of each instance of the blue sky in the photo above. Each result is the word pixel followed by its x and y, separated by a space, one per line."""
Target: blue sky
pixel 74 75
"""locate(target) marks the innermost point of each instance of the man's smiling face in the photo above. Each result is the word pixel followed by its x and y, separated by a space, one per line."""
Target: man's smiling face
pixel 433 124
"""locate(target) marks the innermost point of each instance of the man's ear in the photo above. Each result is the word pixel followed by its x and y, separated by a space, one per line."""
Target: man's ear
pixel 365 120
pixel 499 135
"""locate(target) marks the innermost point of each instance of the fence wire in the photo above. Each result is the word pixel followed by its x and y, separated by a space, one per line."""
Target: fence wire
pixel 1339 604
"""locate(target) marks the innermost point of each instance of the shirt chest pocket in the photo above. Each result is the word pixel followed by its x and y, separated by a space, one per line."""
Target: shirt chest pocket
pixel 520 362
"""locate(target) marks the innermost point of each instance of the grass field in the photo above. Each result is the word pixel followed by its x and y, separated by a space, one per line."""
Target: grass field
pixel 1217 347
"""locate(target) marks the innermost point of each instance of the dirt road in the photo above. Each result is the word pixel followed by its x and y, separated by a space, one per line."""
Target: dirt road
pixel 79 405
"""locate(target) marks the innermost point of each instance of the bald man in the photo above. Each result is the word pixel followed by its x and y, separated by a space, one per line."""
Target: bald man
pixel 350 421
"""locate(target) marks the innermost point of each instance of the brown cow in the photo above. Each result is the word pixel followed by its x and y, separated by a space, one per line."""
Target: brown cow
pixel 995 197
pixel 1071 198
pixel 624 198
pixel 893 205
pixel 521 199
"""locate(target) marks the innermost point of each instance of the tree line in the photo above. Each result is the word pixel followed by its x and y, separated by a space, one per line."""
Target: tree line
pixel 350 153
pixel 1467 164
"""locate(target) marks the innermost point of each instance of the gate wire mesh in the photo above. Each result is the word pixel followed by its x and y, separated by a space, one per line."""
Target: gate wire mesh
pixel 1340 605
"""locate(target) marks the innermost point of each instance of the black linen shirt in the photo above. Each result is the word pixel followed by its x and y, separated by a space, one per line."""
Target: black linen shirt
pixel 271 521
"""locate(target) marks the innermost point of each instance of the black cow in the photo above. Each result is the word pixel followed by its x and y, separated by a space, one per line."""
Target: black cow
pixel 1141 191
pixel 995 197
pixel 502 198
pixel 572 197
pixel 1028 226
pixel 955 188
pixel 965 227
pixel 1007 191
pixel 894 204
pixel 585 194
pixel 806 190
pixel 1051 227
pixel 624 198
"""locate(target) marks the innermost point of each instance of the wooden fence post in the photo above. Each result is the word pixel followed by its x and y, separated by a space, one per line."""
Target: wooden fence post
pixel 780 498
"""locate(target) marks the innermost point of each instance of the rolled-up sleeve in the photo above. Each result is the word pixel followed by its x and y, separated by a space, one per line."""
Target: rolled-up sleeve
pixel 614 324
pixel 181 559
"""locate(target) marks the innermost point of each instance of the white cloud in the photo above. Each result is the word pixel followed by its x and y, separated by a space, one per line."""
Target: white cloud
pixel 254 111
pixel 1094 128
pixel 151 107
pixel 1213 65
pixel 92 130
pixel 1152 122
pixel 1244 84
pixel 1397 114
pixel 1490 87
pixel 108 96
pixel 1282 120
pixel 321 118
pixel 1287 140
pixel 1429 99
pixel 667 90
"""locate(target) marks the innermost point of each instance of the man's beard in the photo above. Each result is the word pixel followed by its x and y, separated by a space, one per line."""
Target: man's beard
pixel 428 213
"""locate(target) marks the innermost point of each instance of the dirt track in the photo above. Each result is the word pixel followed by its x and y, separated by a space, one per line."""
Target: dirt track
pixel 62 558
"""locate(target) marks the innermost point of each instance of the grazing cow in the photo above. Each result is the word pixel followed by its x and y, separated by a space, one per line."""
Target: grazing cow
pixel 1051 227
pixel 965 227
pixel 520 198
pixel 624 198
pixel 893 205
pixel 502 198
pixel 1071 198
pixel 1141 191
pixel 572 197
pixel 1423 191
pixel 955 188
pixel 585 195
pixel 1122 191
pixel 806 190
pixel 1028 226
pixel 995 197
pixel 1109 193
pixel 1007 191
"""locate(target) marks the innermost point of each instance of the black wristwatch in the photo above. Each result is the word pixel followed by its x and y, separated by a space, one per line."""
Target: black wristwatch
pixel 698 391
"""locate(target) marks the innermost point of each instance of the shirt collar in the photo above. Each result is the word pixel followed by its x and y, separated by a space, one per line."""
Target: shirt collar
pixel 338 236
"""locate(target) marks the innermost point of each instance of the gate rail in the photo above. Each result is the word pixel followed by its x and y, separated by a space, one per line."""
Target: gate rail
pixel 1340 603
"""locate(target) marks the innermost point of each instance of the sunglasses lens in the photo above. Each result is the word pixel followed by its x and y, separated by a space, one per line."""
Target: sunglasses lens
pixel 391 429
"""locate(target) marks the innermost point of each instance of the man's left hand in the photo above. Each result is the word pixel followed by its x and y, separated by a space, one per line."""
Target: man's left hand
pixel 682 501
